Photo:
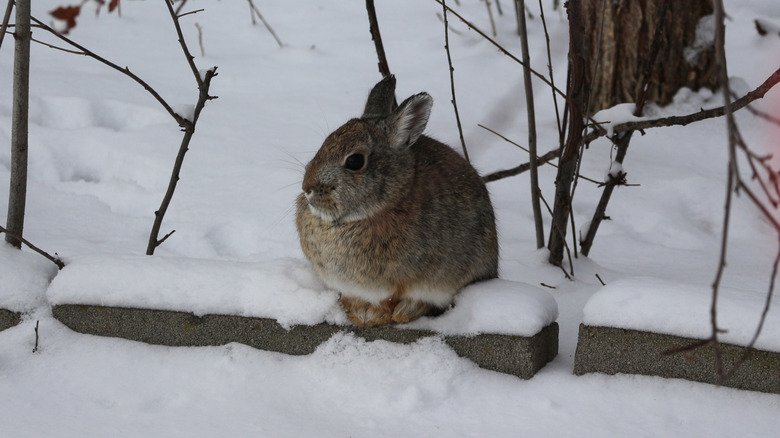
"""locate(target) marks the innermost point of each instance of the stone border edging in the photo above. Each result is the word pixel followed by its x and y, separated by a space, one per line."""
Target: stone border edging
pixel 516 355
pixel 615 350
pixel 9 319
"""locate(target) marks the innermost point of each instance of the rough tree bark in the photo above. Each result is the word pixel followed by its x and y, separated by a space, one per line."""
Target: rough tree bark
pixel 17 193
pixel 618 35
pixel 567 163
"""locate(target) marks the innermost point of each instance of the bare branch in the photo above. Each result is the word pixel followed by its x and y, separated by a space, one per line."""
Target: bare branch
pixel 7 17
pixel 384 68
pixel 500 47
pixel 529 104
pixel 124 70
pixel 183 44
pixel 255 11
pixel 720 111
pixel 53 259
pixel 544 159
pixel 624 139
pixel 561 134
pixel 522 168
pixel 376 36
pixel 452 80
pixel 736 184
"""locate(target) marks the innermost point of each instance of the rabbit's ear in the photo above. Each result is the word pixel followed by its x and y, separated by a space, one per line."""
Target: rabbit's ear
pixel 380 100
pixel 407 123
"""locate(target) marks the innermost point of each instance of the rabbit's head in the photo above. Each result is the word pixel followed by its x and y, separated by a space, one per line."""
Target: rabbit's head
pixel 365 165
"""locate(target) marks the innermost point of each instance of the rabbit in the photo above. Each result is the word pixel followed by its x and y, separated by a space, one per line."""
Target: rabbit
pixel 395 221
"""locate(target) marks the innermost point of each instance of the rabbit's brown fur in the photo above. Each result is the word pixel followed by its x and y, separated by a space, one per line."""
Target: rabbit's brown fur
pixel 401 234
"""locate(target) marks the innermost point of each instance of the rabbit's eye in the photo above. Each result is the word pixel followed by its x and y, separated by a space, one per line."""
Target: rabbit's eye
pixel 355 162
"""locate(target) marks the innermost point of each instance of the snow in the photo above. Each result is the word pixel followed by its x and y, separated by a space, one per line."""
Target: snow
pixel 186 111
pixel 705 37
pixel 655 305
pixel 101 152
pixel 23 279
pixel 768 26
pixel 616 115
pixel 615 170
pixel 286 290
pixel 496 306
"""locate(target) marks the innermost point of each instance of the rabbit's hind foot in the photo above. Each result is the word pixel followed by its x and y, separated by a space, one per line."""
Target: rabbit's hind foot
pixel 362 313
pixel 407 310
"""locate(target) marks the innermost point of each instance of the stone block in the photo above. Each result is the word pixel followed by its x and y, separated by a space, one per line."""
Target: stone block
pixel 516 355
pixel 616 350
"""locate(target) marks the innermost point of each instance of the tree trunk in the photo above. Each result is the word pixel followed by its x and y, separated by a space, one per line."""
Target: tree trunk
pixel 567 164
pixel 17 193
pixel 618 35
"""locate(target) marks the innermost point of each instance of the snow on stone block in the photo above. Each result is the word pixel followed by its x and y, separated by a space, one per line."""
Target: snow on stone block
pixel 617 350
pixel 654 305
pixel 495 306
pixel 631 325
pixel 24 278
pixel 285 290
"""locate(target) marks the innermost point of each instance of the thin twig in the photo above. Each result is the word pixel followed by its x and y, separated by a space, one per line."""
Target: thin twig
pixel 490 15
pixel 624 139
pixel 35 348
pixel 733 174
pixel 500 47
pixel 455 31
pixel 187 55
pixel 180 7
pixel 200 39
pixel 376 36
pixel 736 184
pixel 583 145
pixel 522 168
pixel 204 83
pixel 683 120
pixel 550 72
pixel 567 164
pixel 7 17
pixel 52 46
pixel 544 159
pixel 767 304
pixel 124 70
pixel 254 10
pixel 641 125
pixel 196 11
pixel 53 259
pixel 452 80
pixel 560 265
pixel 529 104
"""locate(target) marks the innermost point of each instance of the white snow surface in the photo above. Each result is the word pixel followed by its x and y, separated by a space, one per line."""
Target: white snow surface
pixel 655 305
pixel 24 278
pixel 287 290
pixel 101 152
pixel 608 118
pixel 615 169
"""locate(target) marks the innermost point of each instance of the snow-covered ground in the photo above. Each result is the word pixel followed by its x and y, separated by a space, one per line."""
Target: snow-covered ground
pixel 101 150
